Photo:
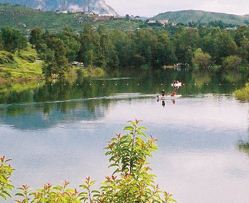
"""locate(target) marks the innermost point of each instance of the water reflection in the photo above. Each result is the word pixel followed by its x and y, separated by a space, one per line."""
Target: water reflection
pixel 244 146
pixel 58 131
pixel 197 154
pixel 47 115
pixel 50 104
pixel 149 83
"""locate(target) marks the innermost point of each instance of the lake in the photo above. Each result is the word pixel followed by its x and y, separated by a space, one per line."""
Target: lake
pixel 58 131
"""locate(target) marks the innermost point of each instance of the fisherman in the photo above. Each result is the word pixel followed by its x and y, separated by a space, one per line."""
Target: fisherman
pixel 163 95
pixel 163 98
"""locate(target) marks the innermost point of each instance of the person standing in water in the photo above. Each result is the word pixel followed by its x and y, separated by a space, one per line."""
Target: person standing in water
pixel 163 98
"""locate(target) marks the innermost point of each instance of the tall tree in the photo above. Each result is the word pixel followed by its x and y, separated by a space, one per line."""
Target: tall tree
pixel 13 39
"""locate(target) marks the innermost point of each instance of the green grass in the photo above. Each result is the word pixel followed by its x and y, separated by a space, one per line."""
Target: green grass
pixel 22 65
pixel 243 94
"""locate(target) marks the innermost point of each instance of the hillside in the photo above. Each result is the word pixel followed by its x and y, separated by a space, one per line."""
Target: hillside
pixel 25 19
pixel 96 6
pixel 23 65
pixel 201 17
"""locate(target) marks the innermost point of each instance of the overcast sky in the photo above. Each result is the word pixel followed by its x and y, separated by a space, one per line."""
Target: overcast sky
pixel 153 7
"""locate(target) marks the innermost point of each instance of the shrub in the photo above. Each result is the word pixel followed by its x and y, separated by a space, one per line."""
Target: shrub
pixel 243 94
pixel 244 147
pixel 6 57
pixel 130 182
pixel 5 173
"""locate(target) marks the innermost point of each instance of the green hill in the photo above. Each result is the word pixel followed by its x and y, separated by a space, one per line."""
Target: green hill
pixel 201 17
pixel 26 18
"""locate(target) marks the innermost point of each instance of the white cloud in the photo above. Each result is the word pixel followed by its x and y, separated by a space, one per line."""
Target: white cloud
pixel 153 7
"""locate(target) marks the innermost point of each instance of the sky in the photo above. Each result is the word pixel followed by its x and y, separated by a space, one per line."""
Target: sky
pixel 154 7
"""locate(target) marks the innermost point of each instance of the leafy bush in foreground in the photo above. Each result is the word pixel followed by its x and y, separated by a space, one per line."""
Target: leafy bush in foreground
pixel 131 181
pixel 5 173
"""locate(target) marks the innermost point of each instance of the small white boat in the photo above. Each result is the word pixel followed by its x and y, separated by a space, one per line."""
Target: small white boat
pixel 176 84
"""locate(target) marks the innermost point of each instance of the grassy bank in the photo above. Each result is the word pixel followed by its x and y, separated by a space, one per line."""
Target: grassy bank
pixel 20 66
pixel 24 67
pixel 243 94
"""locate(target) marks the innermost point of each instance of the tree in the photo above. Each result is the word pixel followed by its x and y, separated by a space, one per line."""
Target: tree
pixel 243 50
pixel 89 45
pixel 71 43
pixel 201 59
pixel 89 57
pixel 36 37
pixel 55 56
pixel 12 39
pixel 185 41
pixel 1 42
pixel 122 42
pixel 219 44
pixel 231 63
pixel 241 34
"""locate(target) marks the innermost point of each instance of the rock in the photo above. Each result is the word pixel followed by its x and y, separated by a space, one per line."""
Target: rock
pixel 87 6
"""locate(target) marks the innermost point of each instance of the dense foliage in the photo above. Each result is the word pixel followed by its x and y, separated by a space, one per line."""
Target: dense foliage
pixel 131 180
pixel 206 48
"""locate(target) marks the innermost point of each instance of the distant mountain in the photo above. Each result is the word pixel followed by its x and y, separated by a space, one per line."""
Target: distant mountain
pixel 202 17
pixel 95 6
pixel 25 18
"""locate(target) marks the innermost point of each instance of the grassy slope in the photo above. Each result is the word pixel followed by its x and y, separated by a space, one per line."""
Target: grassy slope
pixel 203 17
pixel 25 18
pixel 20 66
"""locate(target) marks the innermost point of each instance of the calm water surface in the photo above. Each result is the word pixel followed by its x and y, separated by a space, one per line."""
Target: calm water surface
pixel 59 131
